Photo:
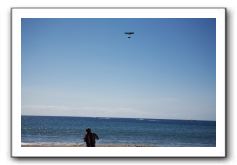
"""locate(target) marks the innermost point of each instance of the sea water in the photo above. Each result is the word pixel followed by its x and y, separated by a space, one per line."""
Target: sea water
pixel 146 132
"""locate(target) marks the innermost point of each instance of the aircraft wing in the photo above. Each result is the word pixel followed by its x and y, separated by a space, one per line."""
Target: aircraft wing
pixel 129 33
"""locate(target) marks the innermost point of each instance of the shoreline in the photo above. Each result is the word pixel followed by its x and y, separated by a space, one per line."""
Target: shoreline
pixel 79 145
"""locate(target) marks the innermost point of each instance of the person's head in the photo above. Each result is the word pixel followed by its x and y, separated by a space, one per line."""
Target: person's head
pixel 88 130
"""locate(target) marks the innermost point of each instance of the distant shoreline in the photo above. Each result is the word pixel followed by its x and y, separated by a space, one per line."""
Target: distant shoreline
pixel 79 145
pixel 136 118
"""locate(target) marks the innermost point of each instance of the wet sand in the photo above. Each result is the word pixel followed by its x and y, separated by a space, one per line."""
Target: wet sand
pixel 79 145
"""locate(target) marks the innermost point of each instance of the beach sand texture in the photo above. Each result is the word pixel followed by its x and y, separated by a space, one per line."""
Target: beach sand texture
pixel 78 145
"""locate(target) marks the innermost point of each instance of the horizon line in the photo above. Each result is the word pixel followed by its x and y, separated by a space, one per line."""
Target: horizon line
pixel 144 118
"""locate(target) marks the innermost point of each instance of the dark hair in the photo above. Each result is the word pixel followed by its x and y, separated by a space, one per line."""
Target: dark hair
pixel 88 130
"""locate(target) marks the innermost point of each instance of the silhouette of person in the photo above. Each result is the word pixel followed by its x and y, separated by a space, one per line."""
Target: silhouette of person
pixel 90 138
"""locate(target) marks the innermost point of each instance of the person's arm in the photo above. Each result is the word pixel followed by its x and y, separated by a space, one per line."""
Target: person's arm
pixel 96 136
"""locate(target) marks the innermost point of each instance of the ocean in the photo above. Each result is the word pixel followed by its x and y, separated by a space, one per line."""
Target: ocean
pixel 145 132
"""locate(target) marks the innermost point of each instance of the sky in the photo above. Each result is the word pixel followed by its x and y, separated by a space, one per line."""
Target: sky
pixel 88 67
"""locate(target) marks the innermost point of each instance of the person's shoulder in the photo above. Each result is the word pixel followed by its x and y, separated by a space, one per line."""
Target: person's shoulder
pixel 95 135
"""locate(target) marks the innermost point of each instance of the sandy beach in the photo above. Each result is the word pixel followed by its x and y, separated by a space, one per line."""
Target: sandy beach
pixel 78 145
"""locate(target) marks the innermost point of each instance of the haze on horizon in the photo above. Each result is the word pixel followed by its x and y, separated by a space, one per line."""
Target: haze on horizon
pixel 88 67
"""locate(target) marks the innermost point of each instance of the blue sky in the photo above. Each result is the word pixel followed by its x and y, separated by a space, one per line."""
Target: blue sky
pixel 88 67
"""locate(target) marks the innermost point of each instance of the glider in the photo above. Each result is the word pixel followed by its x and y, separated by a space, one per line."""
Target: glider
pixel 129 34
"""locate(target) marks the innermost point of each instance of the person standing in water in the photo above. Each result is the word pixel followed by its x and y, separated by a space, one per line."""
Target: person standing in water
pixel 90 138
